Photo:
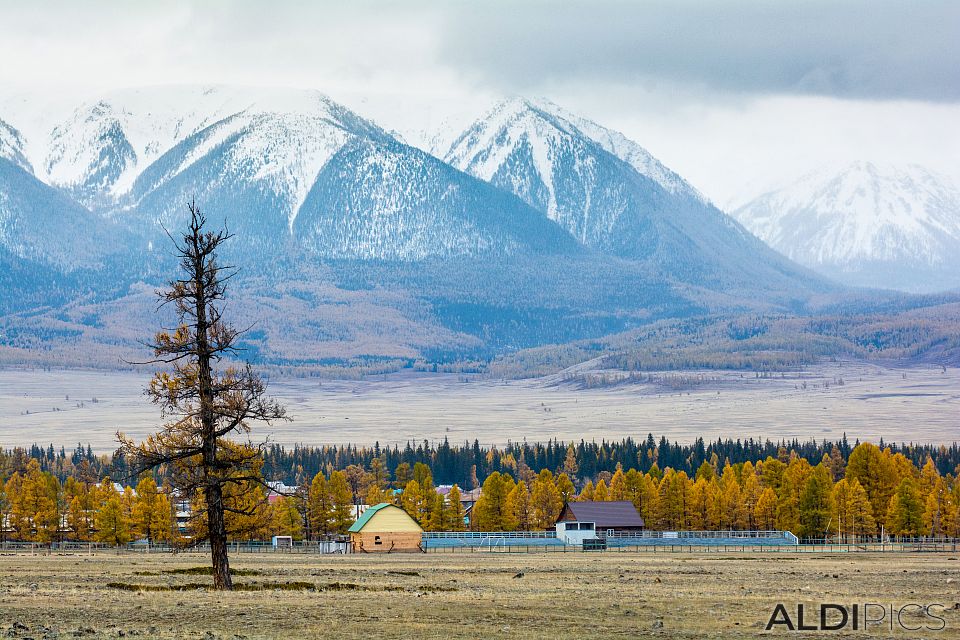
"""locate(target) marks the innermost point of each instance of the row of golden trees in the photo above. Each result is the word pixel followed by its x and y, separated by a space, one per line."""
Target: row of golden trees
pixel 873 492
pixel 35 507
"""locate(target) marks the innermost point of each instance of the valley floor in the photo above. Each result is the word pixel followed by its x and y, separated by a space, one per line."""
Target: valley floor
pixel 903 404
pixel 574 595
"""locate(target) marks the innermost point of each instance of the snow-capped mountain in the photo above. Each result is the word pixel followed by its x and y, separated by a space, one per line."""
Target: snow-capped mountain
pixel 536 227
pixel 611 194
pixel 866 224
pixel 104 146
pixel 386 201
pixel 253 156
pixel 549 131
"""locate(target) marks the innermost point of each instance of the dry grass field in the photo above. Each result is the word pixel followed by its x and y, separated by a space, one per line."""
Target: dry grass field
pixel 918 404
pixel 575 595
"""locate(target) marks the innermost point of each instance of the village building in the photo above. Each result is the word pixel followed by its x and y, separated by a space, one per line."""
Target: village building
pixel 385 528
pixel 579 521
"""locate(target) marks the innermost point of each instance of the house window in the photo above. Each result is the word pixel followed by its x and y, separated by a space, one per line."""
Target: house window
pixel 586 526
pixel 377 540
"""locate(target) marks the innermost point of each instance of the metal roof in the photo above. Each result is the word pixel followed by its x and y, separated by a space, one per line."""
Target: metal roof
pixel 617 513
pixel 366 515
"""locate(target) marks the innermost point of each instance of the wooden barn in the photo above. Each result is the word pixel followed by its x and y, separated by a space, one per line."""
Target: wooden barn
pixel 385 528
pixel 581 521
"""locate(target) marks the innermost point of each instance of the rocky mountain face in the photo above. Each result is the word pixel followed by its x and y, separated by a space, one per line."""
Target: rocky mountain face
pixel 866 224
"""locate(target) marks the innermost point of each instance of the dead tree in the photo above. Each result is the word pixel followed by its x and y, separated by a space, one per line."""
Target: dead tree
pixel 205 406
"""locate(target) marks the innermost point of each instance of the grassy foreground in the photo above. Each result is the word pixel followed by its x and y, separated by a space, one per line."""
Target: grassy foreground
pixel 571 595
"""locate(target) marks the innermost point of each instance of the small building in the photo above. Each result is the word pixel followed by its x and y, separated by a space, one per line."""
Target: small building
pixel 385 528
pixel 282 542
pixel 581 521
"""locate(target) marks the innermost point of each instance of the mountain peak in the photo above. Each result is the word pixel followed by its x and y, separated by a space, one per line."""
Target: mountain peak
pixel 102 148
pixel 539 119
pixel 865 217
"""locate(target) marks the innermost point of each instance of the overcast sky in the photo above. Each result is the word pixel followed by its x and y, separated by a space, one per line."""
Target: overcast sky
pixel 732 95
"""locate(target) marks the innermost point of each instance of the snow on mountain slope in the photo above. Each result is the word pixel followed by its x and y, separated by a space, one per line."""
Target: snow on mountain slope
pixel 98 153
pixel 485 145
pixel 370 196
pixel 613 196
pixel 865 223
pixel 11 147
pixel 563 165
pixel 274 157
pixel 40 224
pixel 629 151
pixel 389 201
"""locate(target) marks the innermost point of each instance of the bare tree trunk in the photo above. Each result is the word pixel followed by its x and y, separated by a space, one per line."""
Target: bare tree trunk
pixel 218 539
pixel 216 524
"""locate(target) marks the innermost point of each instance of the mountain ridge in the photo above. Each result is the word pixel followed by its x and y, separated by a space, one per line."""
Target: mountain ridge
pixel 355 241
pixel 631 207
pixel 866 224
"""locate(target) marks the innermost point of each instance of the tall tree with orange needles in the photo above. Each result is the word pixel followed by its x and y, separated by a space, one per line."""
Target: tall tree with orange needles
pixel 207 406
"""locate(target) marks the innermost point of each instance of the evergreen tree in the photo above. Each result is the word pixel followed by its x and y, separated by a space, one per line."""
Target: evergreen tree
pixel 491 511
pixel 151 513
pixel 765 511
pixel 601 493
pixel 905 513
pixel 320 507
pixel 519 508
pixel 816 503
pixel 285 519
pixel 341 501
pixel 547 501
pixel 113 527
pixel 456 514
pixel 567 491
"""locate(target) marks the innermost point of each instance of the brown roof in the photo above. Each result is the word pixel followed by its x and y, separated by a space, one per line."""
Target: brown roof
pixel 618 513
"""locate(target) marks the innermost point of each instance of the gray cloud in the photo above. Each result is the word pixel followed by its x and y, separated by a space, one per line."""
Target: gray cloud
pixel 873 49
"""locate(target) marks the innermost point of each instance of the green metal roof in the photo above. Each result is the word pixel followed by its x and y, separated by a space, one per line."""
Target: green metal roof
pixel 366 515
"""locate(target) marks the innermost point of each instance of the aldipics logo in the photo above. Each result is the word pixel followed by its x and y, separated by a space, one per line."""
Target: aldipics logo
pixel 868 616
